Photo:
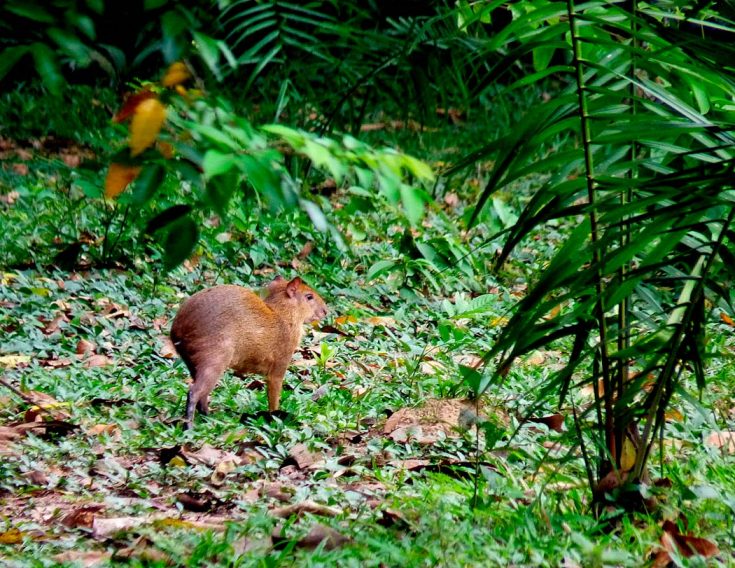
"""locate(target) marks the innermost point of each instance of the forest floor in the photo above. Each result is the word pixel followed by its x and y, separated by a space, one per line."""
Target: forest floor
pixel 378 459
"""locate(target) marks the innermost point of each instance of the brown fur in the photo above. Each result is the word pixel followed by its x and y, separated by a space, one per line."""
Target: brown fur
pixel 230 327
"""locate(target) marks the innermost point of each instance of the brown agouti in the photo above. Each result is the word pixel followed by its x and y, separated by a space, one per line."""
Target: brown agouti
pixel 231 327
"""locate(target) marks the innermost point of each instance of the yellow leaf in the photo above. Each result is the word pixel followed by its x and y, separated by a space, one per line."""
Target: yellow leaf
pixel 12 536
pixel 11 361
pixel 119 176
pixel 176 74
pixel 146 124
pixel 177 461
pixel 627 460
pixel 7 278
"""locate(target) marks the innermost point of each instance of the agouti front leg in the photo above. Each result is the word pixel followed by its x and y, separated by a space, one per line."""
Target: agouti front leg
pixel 274 381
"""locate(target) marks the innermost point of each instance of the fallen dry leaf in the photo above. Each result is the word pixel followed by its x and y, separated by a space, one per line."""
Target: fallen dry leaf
pixel 55 324
pixel 106 527
pixel 722 440
pixel 323 535
pixel 11 536
pixel 97 361
pixel 84 558
pixel 82 516
pixel 301 455
pixel 210 456
pixel 167 350
pixel 306 507
pixel 9 433
pixel 20 169
pixel 435 420
pixel 85 347
pixel 106 429
pixel 553 421
pixel 56 363
pixel 12 361
pixel 385 321
pixel 672 540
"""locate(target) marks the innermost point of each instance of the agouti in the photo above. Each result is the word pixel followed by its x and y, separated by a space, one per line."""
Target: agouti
pixel 231 327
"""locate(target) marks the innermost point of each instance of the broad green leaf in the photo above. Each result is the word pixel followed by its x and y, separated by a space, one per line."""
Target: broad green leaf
pixel 83 23
pixel 379 268
pixel 166 217
pixel 413 200
pixel 153 4
pixel 180 241
pixel 47 66
pixel 219 190
pixel 30 10
pixel 70 44
pixel 217 163
pixel 542 57
pixel 147 183
pixel 209 51
pixel 315 214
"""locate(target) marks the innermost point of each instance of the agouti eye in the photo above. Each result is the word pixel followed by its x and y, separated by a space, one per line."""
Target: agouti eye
pixel 310 297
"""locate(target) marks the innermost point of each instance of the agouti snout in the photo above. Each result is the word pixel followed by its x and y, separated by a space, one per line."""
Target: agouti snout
pixel 231 327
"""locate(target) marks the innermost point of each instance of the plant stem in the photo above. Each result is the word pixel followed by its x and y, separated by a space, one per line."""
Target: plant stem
pixel 597 259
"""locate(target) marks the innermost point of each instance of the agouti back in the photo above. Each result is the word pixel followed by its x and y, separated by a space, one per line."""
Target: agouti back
pixel 231 327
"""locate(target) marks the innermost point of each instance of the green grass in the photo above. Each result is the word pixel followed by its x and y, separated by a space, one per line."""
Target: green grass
pixel 533 505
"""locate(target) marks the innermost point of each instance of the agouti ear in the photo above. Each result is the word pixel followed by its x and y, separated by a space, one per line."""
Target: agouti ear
pixel 293 286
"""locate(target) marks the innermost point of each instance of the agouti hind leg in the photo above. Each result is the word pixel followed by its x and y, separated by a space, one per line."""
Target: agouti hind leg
pixel 205 380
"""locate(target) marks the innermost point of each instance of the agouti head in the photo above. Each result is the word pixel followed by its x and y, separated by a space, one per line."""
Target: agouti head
pixel 297 298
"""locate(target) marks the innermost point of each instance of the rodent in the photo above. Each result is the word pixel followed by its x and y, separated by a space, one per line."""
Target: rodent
pixel 231 327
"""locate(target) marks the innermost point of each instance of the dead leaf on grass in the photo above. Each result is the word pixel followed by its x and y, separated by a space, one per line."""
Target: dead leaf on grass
pixel 302 456
pixel 277 491
pixel 56 363
pixel 45 405
pixel 55 324
pixel 104 429
pixel 37 477
pixel 553 421
pixel 84 558
pixel 85 347
pixel 197 502
pixel 722 440
pixel 11 536
pixel 323 535
pixel 82 516
pixel 9 434
pixel 431 367
pixel 9 198
pixel 673 541
pixel 210 456
pixel 20 169
pixel 435 420
pixel 306 507
pixel 97 361
pixel 167 350
pixel 143 550
pixel 106 527
pixel 47 429
pixel 13 361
